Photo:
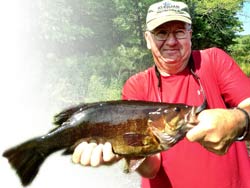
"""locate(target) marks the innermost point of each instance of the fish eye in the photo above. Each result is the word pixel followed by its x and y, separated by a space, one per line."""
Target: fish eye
pixel 177 109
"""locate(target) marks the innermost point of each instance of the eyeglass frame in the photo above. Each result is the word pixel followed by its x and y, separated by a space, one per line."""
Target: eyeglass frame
pixel 185 30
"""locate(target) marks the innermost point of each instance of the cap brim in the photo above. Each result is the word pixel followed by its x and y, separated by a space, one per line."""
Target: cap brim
pixel 159 21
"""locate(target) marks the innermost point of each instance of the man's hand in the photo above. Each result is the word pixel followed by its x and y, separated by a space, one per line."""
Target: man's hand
pixel 93 154
pixel 217 129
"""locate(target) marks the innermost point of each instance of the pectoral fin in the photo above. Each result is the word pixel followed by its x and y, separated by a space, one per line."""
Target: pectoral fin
pixel 130 165
pixel 134 139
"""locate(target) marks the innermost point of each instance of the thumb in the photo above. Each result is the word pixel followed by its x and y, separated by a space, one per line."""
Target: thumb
pixel 195 134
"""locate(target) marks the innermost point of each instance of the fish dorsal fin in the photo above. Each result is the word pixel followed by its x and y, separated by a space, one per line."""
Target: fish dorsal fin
pixel 64 115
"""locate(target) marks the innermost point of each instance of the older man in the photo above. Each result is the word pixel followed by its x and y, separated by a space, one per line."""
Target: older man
pixel 181 75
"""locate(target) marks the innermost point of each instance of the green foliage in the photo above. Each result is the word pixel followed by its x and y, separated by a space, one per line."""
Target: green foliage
pixel 99 91
pixel 240 52
pixel 66 79
pixel 92 78
pixel 130 22
pixel 214 22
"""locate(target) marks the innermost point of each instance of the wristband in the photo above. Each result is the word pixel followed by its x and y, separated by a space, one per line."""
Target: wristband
pixel 246 131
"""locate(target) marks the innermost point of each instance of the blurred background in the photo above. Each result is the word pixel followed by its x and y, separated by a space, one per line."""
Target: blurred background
pixel 59 53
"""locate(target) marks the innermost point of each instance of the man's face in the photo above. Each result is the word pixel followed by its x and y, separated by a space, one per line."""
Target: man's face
pixel 171 46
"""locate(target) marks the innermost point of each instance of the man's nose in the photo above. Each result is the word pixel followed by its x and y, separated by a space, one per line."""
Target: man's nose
pixel 171 40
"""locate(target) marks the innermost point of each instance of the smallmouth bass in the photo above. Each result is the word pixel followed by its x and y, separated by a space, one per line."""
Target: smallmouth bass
pixel 134 128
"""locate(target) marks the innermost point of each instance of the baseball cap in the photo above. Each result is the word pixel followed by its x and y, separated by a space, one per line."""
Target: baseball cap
pixel 165 11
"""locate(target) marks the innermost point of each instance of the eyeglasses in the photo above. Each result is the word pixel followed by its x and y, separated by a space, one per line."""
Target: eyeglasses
pixel 162 35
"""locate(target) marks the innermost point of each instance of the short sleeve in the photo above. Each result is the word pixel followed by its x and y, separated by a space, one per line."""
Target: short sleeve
pixel 133 88
pixel 233 83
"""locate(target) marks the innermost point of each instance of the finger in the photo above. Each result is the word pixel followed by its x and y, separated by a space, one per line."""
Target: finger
pixel 108 154
pixel 96 157
pixel 86 154
pixel 76 156
pixel 216 151
pixel 196 134
pixel 219 149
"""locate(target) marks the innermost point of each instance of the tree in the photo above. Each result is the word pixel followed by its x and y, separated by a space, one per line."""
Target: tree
pixel 214 22
pixel 241 49
pixel 240 52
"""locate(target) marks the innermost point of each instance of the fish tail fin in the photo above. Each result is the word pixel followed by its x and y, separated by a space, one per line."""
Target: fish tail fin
pixel 26 159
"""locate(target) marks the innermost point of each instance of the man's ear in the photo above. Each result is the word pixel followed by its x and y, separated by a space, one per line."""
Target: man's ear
pixel 147 35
